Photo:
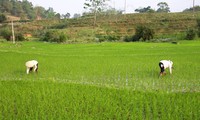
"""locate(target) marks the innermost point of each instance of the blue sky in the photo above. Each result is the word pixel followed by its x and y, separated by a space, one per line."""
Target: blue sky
pixel 76 6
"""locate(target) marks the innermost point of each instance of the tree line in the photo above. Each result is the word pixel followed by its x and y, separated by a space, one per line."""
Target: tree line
pixel 25 10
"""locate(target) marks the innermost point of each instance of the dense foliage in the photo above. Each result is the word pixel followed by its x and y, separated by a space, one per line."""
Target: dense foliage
pixel 54 36
pixel 145 10
pixel 143 33
pixel 2 18
pixel 190 34
pixel 162 8
pixel 196 8
pixel 25 10
pixel 6 33
pixel 198 27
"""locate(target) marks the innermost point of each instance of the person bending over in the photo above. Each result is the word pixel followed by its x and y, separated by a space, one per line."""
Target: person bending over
pixel 31 65
pixel 163 64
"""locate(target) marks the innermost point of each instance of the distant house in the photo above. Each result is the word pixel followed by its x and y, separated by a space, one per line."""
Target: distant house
pixel 27 35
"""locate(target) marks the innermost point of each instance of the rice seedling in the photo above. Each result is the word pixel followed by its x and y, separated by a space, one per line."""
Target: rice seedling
pixel 99 81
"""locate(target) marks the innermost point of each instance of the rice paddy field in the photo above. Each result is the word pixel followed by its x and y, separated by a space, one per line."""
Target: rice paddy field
pixel 94 81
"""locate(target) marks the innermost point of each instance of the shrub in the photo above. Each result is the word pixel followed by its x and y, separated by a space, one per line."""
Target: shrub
pixel 19 37
pixel 6 33
pixel 198 32
pixel 144 33
pixel 54 36
pixel 127 39
pixel 100 38
pixel 112 38
pixel 190 34
pixel 198 27
pixel 198 22
pixel 59 26
pixel 2 18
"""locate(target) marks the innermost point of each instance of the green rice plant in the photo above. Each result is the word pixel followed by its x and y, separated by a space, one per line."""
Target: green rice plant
pixel 48 100
pixel 99 81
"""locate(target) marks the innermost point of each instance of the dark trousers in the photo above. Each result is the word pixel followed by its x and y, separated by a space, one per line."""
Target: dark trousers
pixel 162 69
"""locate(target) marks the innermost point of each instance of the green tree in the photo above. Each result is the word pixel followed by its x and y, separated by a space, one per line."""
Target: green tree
pixel 17 9
pixel 190 34
pixel 28 9
pixel 95 6
pixel 54 36
pixel 57 16
pixel 196 8
pixel 39 12
pixel 25 10
pixel 145 10
pixel 65 16
pixel 6 33
pixel 5 6
pixel 50 13
pixel 163 7
pixel 144 33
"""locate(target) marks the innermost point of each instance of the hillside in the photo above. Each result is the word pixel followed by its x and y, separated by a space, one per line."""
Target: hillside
pixel 164 24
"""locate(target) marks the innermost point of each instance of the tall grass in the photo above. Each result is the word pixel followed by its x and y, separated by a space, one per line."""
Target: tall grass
pixel 99 81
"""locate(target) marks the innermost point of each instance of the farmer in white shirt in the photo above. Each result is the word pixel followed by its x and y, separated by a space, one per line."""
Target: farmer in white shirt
pixel 163 64
pixel 31 65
